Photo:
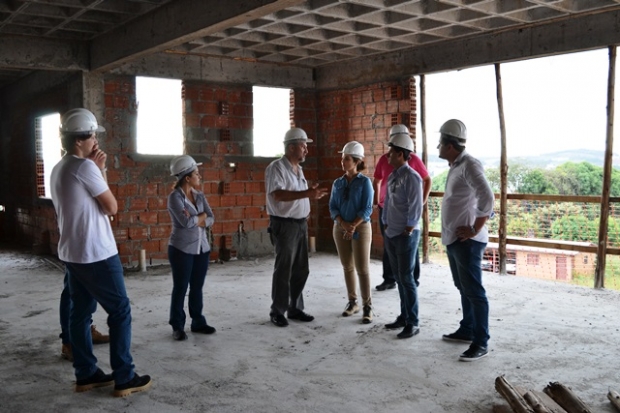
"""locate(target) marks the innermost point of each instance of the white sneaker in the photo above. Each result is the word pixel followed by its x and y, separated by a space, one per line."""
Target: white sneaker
pixel 351 309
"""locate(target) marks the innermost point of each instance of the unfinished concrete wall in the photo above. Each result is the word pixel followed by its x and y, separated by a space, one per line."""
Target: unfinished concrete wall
pixel 364 114
pixel 218 130
pixel 28 220
pixel 218 123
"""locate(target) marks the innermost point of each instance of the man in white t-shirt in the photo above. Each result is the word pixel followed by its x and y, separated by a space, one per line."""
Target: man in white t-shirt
pixel 83 202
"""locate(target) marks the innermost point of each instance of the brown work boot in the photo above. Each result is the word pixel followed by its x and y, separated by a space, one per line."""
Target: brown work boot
pixel 66 352
pixel 97 337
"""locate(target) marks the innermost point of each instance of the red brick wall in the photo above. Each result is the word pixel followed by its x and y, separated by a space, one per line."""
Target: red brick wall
pixel 364 114
pixel 218 125
pixel 218 122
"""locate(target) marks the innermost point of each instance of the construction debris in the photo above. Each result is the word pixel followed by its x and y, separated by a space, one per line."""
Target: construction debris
pixel 566 398
pixel 555 398
pixel 614 397
pixel 514 399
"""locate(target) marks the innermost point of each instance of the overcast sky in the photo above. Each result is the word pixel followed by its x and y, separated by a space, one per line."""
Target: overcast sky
pixel 550 104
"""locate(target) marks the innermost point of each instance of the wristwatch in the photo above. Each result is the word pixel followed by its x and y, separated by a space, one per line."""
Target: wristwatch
pixel 473 230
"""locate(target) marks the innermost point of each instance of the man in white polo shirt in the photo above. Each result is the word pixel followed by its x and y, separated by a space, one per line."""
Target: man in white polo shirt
pixel 288 206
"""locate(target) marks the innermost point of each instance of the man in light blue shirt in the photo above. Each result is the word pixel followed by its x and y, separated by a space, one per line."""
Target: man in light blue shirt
pixel 401 219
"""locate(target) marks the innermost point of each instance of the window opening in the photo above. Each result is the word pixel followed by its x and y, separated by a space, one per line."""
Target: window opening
pixel 160 116
pixel 271 107
pixel 48 151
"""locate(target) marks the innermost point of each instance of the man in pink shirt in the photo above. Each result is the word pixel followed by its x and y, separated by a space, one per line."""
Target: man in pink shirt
pixel 383 169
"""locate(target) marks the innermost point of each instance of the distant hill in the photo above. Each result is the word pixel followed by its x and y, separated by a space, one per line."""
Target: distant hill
pixel 545 161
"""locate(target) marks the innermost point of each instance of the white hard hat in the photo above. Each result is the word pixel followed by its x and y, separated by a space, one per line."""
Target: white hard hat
pixel 79 120
pixel 400 128
pixel 456 129
pixel 182 165
pixel 402 140
pixel 353 148
pixel 296 134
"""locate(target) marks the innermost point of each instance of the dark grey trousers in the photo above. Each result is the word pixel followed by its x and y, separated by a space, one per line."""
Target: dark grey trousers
pixel 291 269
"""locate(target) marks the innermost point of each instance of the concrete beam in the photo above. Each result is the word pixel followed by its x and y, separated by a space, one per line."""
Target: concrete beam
pixel 562 36
pixel 218 70
pixel 43 54
pixel 173 24
pixel 34 84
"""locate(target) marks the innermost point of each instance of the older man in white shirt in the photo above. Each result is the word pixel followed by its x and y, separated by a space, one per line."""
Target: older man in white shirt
pixel 288 206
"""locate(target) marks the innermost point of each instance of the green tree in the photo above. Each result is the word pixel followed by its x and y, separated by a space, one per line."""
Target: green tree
pixel 577 179
pixel 536 181
pixel 439 182
pixel 615 182
pixel 574 228
pixel 493 177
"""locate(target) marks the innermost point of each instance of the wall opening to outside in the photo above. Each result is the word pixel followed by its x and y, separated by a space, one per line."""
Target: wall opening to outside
pixel 49 151
pixel 160 116
pixel 271 108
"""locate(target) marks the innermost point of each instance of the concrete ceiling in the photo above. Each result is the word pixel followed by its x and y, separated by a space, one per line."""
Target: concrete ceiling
pixel 341 36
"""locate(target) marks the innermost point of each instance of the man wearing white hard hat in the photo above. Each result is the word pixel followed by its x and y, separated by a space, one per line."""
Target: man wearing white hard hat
pixel 83 201
pixel 467 205
pixel 383 169
pixel 288 206
pixel 350 206
pixel 401 219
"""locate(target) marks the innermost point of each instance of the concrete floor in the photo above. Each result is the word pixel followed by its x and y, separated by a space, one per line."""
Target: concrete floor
pixel 541 332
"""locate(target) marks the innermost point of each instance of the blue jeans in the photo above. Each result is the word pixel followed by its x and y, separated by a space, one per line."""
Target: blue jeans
pixel 465 260
pixel 188 270
pixel 401 251
pixel 65 310
pixel 291 268
pixel 388 274
pixel 100 282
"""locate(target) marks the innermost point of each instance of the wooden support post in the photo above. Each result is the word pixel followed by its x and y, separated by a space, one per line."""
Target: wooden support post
pixel 614 398
pixel 566 398
pixel 425 219
pixel 601 255
pixel 503 167
pixel 514 399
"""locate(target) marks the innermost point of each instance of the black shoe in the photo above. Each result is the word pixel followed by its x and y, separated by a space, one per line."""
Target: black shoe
pixel 399 323
pixel 456 337
pixel 385 286
pixel 301 316
pixel 206 329
pixel 179 335
pixel 138 383
pixel 409 331
pixel 279 320
pixel 99 379
pixel 473 353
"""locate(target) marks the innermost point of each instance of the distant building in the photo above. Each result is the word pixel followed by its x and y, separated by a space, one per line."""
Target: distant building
pixel 545 263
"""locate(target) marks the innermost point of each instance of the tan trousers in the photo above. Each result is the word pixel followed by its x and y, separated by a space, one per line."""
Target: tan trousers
pixel 355 256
